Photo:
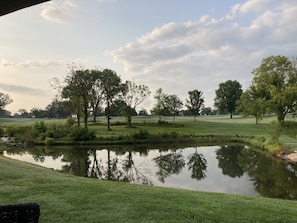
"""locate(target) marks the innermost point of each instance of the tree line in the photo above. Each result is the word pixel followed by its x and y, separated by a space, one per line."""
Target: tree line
pixel 83 91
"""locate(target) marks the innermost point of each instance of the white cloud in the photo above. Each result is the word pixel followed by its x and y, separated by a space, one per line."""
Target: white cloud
pixel 57 12
pixel 201 54
pixel 30 64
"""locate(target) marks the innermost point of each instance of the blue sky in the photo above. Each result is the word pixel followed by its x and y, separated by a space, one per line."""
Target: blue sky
pixel 176 45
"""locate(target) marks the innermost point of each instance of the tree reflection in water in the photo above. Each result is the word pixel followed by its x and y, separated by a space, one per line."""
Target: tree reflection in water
pixel 270 177
pixel 169 164
pixel 197 164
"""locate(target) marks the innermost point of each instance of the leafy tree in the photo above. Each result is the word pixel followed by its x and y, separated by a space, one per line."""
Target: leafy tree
pixel 96 92
pixel 207 111
pixel 173 104
pixel 4 100
pixel 227 95
pixel 276 79
pixel 78 89
pixel 251 103
pixel 133 97
pixel 159 108
pixel 111 87
pixel 195 102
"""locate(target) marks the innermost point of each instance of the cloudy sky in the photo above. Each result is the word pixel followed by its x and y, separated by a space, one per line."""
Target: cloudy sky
pixel 175 45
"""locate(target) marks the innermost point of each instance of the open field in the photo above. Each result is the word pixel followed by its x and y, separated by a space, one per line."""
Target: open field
pixel 66 198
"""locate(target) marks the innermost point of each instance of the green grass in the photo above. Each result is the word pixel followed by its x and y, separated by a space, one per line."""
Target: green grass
pixel 66 198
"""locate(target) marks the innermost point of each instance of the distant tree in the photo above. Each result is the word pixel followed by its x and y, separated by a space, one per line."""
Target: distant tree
pixel 4 100
pixel 111 88
pixel 227 95
pixel 38 113
pixel 251 103
pixel 195 102
pixel 133 96
pixel 206 110
pixel 23 113
pixel 57 109
pixel 143 112
pixel 173 104
pixel 5 114
pixel 159 108
pixel 276 80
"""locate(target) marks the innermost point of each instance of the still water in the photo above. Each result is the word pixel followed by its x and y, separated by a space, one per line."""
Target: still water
pixel 233 169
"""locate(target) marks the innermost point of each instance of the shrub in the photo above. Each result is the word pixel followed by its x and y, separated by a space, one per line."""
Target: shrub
pixel 48 141
pixel 81 134
pixel 141 134
pixel 70 122
pixel 38 128
pixel 275 131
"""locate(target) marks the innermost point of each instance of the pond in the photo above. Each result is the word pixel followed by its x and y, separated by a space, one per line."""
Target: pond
pixel 232 169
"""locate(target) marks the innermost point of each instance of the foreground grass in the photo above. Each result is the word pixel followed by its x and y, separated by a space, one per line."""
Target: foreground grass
pixel 66 198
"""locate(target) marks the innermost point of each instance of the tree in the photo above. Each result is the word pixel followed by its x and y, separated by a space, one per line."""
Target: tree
pixel 276 80
pixel 133 96
pixel 173 104
pixel 159 108
pixel 4 100
pixel 57 109
pixel 111 87
pixel 78 89
pixel 195 102
pixel 96 92
pixel 227 95
pixel 251 103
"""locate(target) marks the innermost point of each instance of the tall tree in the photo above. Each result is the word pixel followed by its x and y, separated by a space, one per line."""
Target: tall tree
pixel 96 92
pixel 78 88
pixel 195 102
pixel 173 104
pixel 133 97
pixel 4 100
pixel 111 87
pixel 227 95
pixel 276 79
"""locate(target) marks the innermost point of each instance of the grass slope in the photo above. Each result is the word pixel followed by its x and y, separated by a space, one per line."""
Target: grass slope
pixel 66 198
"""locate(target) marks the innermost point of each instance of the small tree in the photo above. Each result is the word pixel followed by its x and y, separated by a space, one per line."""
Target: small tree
pixel 251 103
pixel 173 104
pixel 195 102
pixel 227 95
pixel 159 108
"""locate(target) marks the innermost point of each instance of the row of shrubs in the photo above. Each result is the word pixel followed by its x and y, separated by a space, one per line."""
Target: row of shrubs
pixel 40 131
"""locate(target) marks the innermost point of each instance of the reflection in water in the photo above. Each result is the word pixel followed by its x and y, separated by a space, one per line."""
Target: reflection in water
pixel 227 169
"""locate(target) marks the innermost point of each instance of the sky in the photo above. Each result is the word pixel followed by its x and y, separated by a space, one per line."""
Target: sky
pixel 175 45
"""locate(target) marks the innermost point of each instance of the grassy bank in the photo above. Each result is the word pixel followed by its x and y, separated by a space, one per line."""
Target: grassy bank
pixel 65 198
pixel 208 129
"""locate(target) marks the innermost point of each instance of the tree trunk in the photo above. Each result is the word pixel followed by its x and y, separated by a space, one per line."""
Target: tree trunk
pixel 231 115
pixel 129 119
pixel 85 115
pixel 108 117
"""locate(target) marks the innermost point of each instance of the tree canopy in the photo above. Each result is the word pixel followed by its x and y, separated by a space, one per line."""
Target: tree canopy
pixel 276 81
pixel 4 100
pixel 227 95
pixel 195 102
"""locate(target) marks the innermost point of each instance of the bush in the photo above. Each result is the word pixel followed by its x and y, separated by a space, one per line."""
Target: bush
pixel 48 141
pixel 81 134
pixel 70 122
pixel 141 134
